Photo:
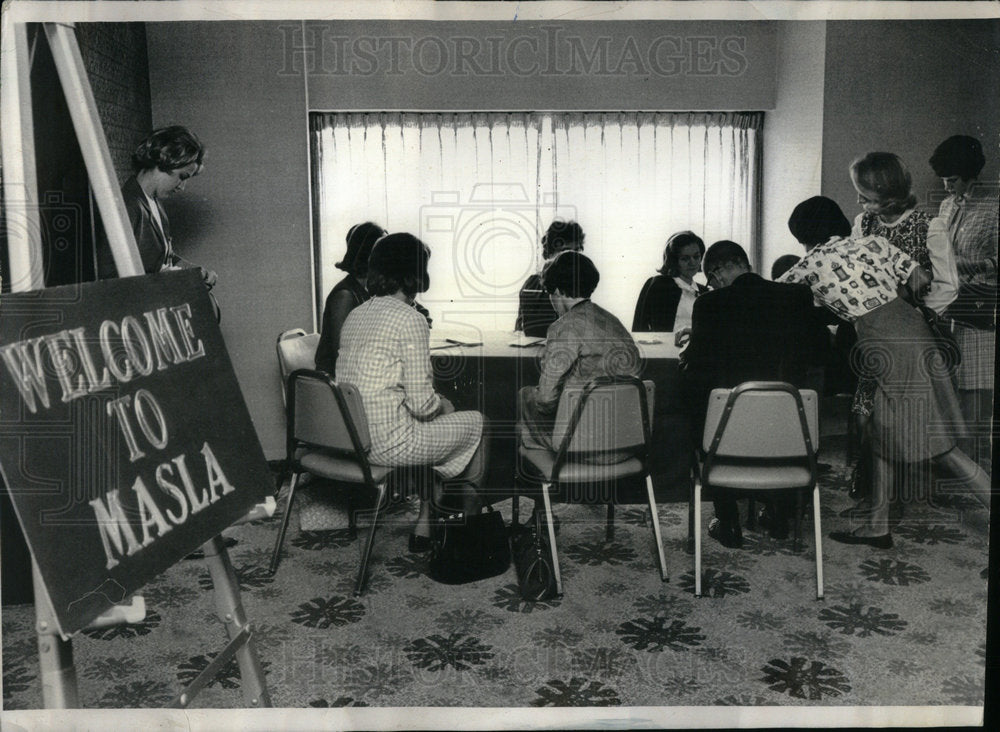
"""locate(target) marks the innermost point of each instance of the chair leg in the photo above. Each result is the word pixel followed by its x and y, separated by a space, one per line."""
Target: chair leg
pixel 284 524
pixel 797 524
pixel 819 545
pixel 656 529
pixel 609 530
pixel 550 523
pixel 690 539
pixel 752 514
pixel 515 510
pixel 370 541
pixel 697 539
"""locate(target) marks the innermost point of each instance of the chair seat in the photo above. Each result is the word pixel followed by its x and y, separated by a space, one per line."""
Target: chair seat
pixel 578 472
pixel 333 467
pixel 758 477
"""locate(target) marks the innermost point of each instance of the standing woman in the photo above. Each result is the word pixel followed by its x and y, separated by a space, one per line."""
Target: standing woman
pixel 884 187
pixel 970 215
pixel 346 294
pixel 915 410
pixel 162 165
pixel 385 353
pixel 667 300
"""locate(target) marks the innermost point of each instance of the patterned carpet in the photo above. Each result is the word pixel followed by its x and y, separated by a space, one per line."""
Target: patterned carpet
pixel 900 627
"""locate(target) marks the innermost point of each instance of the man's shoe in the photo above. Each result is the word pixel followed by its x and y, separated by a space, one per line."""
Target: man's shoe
pixel 879 542
pixel 725 535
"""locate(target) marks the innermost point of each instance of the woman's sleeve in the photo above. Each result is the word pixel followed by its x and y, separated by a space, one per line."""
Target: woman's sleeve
pixel 561 351
pixel 418 383
pixel 944 285
pixel 640 321
pixel 856 232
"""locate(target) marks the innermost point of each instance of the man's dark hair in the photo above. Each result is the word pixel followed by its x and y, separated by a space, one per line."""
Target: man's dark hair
pixel 724 252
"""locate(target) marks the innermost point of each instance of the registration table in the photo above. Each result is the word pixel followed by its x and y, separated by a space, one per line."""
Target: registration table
pixel 484 371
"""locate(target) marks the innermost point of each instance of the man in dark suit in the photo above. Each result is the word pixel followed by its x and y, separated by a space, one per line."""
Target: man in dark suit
pixel 748 329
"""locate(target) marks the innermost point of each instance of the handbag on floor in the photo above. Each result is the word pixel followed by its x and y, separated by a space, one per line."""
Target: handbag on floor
pixel 536 578
pixel 468 548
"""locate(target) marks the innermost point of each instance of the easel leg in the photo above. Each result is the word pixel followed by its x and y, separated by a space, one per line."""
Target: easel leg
pixel 230 610
pixel 55 655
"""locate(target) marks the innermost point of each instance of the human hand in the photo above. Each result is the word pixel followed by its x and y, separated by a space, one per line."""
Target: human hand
pixel 209 277
pixel 681 337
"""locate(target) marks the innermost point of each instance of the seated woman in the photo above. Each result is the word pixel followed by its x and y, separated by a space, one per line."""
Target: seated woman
pixel 584 343
pixel 915 410
pixel 384 352
pixel 666 301
pixel 346 294
pixel 534 311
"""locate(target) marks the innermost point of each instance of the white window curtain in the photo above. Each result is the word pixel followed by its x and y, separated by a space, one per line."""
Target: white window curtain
pixel 481 188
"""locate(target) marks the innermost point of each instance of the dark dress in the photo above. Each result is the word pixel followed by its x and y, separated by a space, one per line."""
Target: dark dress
pixel 656 309
pixel 343 298
pixel 534 311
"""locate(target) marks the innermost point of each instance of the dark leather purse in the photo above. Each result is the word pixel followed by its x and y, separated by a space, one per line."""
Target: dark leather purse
pixel 975 306
pixel 536 577
pixel 468 548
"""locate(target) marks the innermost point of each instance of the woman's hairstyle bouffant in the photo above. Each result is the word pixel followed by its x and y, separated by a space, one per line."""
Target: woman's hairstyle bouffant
pixel 959 155
pixel 562 236
pixel 817 219
pixel 398 262
pixel 168 148
pixel 360 240
pixel 888 177
pixel 672 252
pixel 572 273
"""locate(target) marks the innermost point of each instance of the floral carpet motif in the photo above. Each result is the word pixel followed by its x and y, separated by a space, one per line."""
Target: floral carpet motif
pixel 905 626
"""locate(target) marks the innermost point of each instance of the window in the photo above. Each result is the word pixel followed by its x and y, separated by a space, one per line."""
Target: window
pixel 481 188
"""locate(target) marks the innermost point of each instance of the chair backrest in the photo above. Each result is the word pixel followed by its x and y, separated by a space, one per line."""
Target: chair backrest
pixel 296 350
pixel 761 419
pixel 615 415
pixel 325 414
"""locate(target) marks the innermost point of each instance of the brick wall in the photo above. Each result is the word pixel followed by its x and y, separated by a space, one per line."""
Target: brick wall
pixel 114 55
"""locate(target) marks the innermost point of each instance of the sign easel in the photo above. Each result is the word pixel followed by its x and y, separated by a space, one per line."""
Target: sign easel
pixel 189 341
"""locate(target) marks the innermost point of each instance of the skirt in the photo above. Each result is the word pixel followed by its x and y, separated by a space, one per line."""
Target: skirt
pixel 915 413
pixel 445 443
pixel 978 349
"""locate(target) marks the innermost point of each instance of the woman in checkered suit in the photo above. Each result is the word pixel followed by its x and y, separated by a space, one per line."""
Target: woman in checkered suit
pixel 384 352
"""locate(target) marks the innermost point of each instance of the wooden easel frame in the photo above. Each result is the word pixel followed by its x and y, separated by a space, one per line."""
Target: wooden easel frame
pixel 55 651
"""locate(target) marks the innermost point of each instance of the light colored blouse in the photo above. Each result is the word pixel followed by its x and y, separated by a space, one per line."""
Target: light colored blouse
pixel 852 277
pixel 689 291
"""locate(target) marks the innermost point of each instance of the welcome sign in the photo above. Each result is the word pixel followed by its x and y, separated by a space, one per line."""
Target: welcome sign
pixel 124 438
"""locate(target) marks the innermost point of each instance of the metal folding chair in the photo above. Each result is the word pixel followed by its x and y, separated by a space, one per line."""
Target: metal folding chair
pixel 327 435
pixel 760 435
pixel 607 416
pixel 296 350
